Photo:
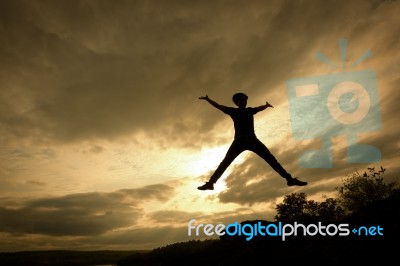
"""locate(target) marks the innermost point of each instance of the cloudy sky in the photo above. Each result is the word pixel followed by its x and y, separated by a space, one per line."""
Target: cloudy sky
pixel 104 140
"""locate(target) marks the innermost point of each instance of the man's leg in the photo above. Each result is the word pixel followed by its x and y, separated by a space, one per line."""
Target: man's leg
pixel 234 150
pixel 261 150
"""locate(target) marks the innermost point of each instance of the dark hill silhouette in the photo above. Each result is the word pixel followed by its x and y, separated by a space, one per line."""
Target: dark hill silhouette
pixel 328 250
pixel 63 257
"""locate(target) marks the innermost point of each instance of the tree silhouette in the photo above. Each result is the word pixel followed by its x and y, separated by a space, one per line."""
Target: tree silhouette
pixel 330 210
pixel 356 192
pixel 360 190
pixel 292 207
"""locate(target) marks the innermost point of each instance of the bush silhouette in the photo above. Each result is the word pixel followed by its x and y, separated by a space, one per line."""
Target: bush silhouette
pixel 295 206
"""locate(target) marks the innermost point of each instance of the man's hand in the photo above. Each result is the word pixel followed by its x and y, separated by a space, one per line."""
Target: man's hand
pixel 204 97
pixel 263 107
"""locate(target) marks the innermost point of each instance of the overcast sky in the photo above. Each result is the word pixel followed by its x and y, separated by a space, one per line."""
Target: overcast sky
pixel 104 140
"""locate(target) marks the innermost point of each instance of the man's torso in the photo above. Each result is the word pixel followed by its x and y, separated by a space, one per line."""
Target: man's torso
pixel 243 119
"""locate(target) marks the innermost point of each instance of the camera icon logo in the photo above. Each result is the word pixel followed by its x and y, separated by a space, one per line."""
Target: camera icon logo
pixel 344 103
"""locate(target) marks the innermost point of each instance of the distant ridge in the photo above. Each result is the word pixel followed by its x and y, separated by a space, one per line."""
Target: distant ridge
pixel 64 257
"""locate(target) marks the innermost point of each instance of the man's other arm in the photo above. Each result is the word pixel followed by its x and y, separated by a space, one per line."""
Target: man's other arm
pixel 263 107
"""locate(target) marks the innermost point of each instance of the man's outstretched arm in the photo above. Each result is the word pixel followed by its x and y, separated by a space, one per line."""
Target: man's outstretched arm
pixel 213 103
pixel 263 107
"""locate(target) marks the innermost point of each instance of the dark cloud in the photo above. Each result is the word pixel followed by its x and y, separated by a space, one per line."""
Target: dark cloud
pixel 83 214
pixel 80 70
pixel 140 237
pixel 173 216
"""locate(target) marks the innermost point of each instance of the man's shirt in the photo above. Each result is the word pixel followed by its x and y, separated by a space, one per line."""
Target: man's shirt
pixel 243 119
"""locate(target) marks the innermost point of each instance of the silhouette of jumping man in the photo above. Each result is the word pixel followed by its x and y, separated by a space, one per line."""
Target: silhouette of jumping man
pixel 245 139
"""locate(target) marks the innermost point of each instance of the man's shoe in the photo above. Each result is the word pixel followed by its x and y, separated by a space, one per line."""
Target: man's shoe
pixel 206 186
pixel 295 182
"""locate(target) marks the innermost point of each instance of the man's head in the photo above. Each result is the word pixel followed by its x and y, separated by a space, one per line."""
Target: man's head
pixel 240 99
